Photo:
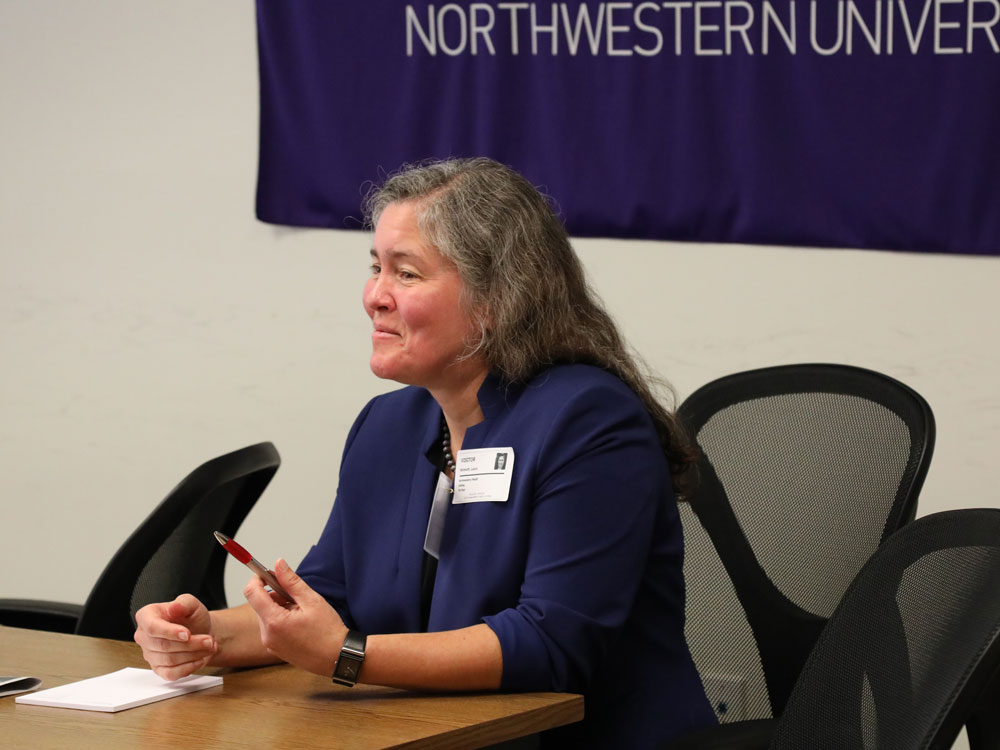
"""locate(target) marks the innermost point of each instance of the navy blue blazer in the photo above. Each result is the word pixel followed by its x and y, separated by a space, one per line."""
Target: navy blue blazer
pixel 579 572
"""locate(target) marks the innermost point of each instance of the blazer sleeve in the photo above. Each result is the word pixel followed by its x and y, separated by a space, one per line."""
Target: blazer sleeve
pixel 601 487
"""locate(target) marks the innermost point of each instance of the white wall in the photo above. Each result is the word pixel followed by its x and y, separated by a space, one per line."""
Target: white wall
pixel 149 322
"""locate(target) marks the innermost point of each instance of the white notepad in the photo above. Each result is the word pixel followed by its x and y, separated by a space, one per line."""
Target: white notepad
pixel 126 688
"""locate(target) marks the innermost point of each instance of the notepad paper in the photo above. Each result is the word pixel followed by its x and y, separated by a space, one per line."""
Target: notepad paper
pixel 126 688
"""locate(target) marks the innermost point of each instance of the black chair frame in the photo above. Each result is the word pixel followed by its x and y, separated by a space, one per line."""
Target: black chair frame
pixel 785 633
pixel 161 558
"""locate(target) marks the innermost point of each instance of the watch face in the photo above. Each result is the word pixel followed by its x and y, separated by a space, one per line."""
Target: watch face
pixel 348 669
pixel 352 656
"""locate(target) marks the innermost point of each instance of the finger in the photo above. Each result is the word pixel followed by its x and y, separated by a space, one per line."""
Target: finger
pixel 154 626
pixel 162 659
pixel 280 600
pixel 176 672
pixel 199 643
pixel 259 598
pixel 169 619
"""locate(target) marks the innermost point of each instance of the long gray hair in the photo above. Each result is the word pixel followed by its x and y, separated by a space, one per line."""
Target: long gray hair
pixel 524 285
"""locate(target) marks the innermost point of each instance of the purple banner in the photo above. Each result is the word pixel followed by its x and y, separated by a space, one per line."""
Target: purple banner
pixel 846 123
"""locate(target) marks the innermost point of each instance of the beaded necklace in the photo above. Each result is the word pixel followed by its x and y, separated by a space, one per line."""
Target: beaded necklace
pixel 446 445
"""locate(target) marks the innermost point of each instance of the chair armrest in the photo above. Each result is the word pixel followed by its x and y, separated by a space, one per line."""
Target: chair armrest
pixel 38 614
pixel 737 735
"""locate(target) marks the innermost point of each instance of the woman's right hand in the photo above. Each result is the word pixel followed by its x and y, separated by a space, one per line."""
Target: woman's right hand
pixel 176 637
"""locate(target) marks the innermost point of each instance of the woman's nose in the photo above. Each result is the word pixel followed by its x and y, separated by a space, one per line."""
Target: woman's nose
pixel 378 296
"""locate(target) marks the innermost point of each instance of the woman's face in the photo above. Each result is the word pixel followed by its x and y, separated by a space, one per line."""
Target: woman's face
pixel 413 299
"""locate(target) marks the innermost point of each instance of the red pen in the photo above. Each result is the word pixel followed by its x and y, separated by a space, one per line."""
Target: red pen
pixel 251 562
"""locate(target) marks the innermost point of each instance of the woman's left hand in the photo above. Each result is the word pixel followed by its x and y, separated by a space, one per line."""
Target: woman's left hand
pixel 308 634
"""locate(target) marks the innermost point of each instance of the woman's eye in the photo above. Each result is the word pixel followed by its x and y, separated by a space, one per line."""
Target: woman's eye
pixel 407 275
pixel 375 268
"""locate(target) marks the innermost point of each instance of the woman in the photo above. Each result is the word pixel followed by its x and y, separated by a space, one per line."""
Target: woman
pixel 557 567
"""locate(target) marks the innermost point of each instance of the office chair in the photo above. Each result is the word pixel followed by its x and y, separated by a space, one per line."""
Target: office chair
pixel 804 471
pixel 170 553
pixel 913 650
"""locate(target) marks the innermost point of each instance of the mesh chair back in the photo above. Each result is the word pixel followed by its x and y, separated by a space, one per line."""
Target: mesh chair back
pixel 173 550
pixel 805 469
pixel 912 652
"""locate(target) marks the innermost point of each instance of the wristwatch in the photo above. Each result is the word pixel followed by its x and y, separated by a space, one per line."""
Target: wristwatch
pixel 352 656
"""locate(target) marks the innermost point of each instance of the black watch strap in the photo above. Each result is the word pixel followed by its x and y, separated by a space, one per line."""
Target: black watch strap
pixel 352 655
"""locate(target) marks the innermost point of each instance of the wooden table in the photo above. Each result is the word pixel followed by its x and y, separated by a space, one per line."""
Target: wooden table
pixel 268 707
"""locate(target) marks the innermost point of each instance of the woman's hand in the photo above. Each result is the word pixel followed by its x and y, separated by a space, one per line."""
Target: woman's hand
pixel 176 637
pixel 308 634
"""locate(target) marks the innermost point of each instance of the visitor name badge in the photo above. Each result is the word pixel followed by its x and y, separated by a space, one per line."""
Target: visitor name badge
pixel 482 475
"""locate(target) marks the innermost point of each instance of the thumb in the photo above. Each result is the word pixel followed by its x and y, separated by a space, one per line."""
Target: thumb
pixel 291 582
pixel 181 612
pixel 181 609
